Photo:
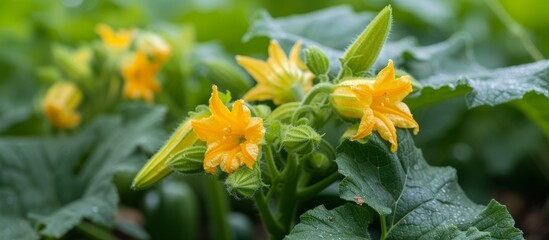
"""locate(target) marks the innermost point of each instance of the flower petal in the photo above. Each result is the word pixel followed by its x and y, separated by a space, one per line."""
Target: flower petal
pixel 366 125
pixel 400 116
pixel 386 129
pixel 250 152
pixel 208 129
pixel 259 70
pixel 295 56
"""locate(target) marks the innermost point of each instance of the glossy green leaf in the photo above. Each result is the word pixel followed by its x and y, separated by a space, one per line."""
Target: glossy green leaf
pixel 417 200
pixel 311 29
pixel 58 182
pixel 16 228
pixel 344 222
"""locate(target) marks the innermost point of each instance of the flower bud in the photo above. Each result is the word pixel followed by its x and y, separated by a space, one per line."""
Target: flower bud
pixel 301 139
pixel 244 182
pixel 188 160
pixel 316 60
pixel 345 101
pixel 318 163
pixel 362 53
pixel 74 63
pixel 60 103
pixel 154 45
pixel 156 168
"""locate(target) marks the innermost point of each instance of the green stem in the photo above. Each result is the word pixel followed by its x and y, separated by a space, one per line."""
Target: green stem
pixel 383 227
pixel 271 165
pixel 301 110
pixel 283 112
pixel 515 28
pixel 317 89
pixel 94 232
pixel 271 224
pixel 314 189
pixel 303 180
pixel 288 201
pixel 327 146
pixel 297 90
pixel 218 209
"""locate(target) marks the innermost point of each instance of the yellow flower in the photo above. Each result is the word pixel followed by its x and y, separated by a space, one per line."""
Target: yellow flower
pixel 140 78
pixel 117 41
pixel 378 103
pixel 233 137
pixel 154 45
pixel 60 103
pixel 278 76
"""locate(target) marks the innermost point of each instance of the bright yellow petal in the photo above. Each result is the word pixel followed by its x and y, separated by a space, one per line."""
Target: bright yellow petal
pixel 208 129
pixel 255 131
pixel 276 55
pixel 400 116
pixel 295 58
pixel 241 114
pixel 250 153
pixel 259 93
pixel 232 160
pixel 259 70
pixel 385 76
pixel 218 109
pixel 386 129
pixel 366 125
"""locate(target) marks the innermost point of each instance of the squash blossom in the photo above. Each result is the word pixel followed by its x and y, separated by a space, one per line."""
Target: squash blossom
pixel 156 169
pixel 60 103
pixel 154 45
pixel 117 41
pixel 378 103
pixel 232 137
pixel 278 77
pixel 140 78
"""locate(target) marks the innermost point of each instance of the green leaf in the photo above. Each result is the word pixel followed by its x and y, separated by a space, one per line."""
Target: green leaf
pixel 344 222
pixel 535 107
pixel 16 228
pixel 58 182
pixel 311 29
pixel 417 200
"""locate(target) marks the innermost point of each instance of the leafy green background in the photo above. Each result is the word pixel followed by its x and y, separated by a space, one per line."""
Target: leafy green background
pixel 55 183
pixel 498 151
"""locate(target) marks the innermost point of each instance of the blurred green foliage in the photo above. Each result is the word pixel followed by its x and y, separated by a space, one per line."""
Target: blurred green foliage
pixel 505 143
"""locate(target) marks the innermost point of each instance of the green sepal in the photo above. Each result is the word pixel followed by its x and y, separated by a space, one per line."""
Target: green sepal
pixel 188 160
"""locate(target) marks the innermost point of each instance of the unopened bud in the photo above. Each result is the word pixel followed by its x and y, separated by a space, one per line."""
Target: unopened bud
pixel 345 101
pixel 363 52
pixel 244 182
pixel 60 104
pixel 156 168
pixel 301 139
pixel 318 163
pixel 316 60
pixel 74 63
pixel 188 160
